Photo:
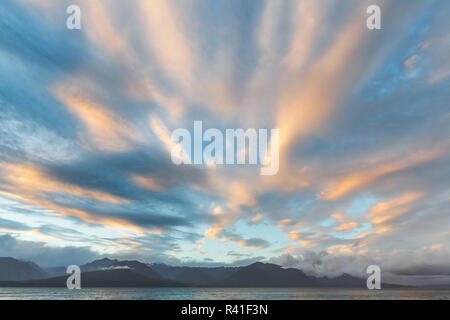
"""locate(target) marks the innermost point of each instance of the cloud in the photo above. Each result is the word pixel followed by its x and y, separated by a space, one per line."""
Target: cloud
pixel 423 264
pixel 106 130
pixel 257 218
pixel 43 255
pixel 348 226
pixel 6 224
pixel 254 243
pixel 411 61
pixel 284 222
pixel 377 170
pixel 384 212
pixel 168 39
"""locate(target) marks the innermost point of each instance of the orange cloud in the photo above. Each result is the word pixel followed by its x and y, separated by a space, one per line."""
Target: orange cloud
pixel 377 169
pixel 33 180
pixel 294 235
pixel 307 18
pixel 383 212
pixel 31 185
pixel 245 243
pixel 218 210
pixel 411 61
pixel 305 108
pixel 168 41
pixel 214 231
pixel 347 227
pixel 339 217
pixel 257 218
pixel 107 131
pixel 102 30
pixel 284 223
pixel 148 183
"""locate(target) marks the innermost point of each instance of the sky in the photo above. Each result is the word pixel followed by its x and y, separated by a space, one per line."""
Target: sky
pixel 363 118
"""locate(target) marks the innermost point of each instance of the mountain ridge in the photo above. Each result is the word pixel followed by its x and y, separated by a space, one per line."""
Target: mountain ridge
pixel 132 273
pixel 15 269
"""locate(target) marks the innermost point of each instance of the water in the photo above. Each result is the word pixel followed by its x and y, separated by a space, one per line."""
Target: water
pixel 219 294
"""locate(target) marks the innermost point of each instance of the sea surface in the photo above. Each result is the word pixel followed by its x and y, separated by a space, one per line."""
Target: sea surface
pixel 219 294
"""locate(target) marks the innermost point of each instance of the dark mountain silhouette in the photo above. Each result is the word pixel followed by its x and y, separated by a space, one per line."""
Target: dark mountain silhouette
pixel 342 281
pixel 255 275
pixel 108 264
pixel 114 273
pixel 193 275
pixel 165 271
pixel 55 271
pixel 267 275
pixel 105 278
pixel 15 270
